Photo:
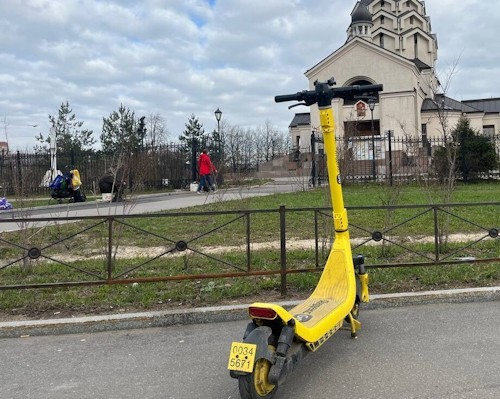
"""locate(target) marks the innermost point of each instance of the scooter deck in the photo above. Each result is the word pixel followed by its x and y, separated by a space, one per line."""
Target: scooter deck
pixel 324 311
pixel 330 293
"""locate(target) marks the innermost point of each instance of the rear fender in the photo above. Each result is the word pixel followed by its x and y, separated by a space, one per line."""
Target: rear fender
pixel 261 337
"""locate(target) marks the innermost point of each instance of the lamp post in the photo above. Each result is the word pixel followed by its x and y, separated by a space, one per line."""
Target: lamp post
pixel 53 153
pixel 315 179
pixel 371 104
pixel 218 116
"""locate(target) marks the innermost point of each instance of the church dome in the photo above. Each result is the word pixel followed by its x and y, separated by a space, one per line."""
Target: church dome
pixel 361 14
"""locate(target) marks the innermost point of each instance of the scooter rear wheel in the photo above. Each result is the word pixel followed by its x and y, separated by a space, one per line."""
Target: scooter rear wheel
pixel 256 384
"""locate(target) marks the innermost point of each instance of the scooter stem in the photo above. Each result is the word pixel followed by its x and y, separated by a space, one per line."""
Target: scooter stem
pixel 327 121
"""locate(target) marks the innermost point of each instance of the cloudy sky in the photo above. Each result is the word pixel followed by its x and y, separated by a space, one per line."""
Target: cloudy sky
pixel 183 57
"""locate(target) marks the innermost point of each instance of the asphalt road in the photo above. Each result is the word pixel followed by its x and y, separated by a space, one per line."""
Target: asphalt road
pixel 427 351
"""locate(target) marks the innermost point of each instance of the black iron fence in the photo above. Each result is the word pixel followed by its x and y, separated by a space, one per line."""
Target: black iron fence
pixel 98 250
pixel 169 165
pixel 173 165
pixel 388 158
pixel 360 158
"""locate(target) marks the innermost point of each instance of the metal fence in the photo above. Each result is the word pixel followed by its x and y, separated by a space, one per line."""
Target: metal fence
pixel 98 250
pixel 361 158
pixel 388 158
pixel 169 165
pixel 173 165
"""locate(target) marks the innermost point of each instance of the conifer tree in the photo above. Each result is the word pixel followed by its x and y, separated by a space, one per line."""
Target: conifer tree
pixel 69 135
pixel 119 132
pixel 194 132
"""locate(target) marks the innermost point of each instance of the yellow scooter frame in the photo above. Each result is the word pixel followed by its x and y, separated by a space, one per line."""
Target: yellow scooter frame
pixel 277 338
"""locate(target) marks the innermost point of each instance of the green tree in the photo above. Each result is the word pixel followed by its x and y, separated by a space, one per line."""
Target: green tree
pixel 476 153
pixel 194 131
pixel 119 132
pixel 68 132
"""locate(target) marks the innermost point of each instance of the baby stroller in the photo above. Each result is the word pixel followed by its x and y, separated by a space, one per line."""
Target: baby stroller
pixel 67 186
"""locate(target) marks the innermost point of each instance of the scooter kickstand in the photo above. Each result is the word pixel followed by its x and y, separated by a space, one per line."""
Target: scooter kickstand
pixel 355 325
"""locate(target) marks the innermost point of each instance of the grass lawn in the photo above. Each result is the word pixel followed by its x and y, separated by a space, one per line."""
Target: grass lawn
pixel 264 229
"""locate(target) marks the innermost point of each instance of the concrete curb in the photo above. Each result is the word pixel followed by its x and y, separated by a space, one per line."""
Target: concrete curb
pixel 215 314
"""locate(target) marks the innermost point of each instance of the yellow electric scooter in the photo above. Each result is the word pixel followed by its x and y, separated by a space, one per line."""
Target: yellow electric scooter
pixel 276 339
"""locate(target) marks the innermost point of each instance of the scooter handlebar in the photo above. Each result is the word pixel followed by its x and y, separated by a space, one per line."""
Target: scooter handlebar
pixel 287 97
pixel 348 91
pixel 326 93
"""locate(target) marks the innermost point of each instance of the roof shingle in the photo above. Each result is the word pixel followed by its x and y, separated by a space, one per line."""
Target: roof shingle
pixel 491 105
pixel 302 119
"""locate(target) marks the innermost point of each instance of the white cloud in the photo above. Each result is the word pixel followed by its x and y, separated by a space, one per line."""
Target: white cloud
pixel 179 57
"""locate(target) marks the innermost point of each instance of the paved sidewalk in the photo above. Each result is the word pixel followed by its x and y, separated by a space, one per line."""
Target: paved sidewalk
pixel 147 203
pixel 128 321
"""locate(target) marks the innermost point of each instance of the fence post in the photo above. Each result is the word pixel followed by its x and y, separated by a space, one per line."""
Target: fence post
pixel 248 241
pixel 193 159
pixel 436 234
pixel 313 159
pixel 19 173
pixel 316 238
pixel 389 132
pixel 283 249
pixel 110 248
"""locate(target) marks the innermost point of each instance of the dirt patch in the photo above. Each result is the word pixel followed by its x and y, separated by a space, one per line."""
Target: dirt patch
pixel 130 251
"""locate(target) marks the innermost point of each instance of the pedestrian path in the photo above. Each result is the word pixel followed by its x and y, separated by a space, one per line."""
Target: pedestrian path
pixel 144 203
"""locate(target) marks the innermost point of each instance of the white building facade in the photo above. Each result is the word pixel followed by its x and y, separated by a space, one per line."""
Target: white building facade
pixel 390 42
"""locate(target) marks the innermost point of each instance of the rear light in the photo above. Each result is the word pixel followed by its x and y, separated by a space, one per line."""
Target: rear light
pixel 262 313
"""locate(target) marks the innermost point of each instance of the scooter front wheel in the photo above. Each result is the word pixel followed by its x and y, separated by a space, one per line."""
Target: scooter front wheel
pixel 256 385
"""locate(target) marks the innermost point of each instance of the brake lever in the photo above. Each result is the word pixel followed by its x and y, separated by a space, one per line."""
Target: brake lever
pixel 296 105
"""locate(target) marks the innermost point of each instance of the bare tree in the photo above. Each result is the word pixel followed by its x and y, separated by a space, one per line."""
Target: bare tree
pixel 233 145
pixel 157 133
pixel 347 148
pixel 446 177
pixel 268 140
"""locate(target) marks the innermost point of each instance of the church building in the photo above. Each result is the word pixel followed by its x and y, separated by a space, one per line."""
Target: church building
pixel 390 42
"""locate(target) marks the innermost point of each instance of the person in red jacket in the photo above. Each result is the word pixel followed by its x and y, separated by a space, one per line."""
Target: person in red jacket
pixel 205 168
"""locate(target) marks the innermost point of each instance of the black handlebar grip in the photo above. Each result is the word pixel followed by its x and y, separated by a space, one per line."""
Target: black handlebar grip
pixel 368 88
pixel 286 97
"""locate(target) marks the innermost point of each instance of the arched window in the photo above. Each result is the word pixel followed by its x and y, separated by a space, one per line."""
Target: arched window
pixel 359 82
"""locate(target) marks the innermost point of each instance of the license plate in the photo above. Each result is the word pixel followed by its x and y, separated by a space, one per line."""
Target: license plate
pixel 242 357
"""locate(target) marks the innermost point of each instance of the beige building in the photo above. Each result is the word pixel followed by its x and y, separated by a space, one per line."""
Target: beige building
pixel 4 147
pixel 390 42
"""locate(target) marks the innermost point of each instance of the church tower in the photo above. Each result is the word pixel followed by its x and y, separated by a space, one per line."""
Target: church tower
pixel 400 26
pixel 362 23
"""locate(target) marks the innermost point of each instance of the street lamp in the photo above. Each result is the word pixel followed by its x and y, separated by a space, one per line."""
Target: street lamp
pixel 371 104
pixel 218 116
